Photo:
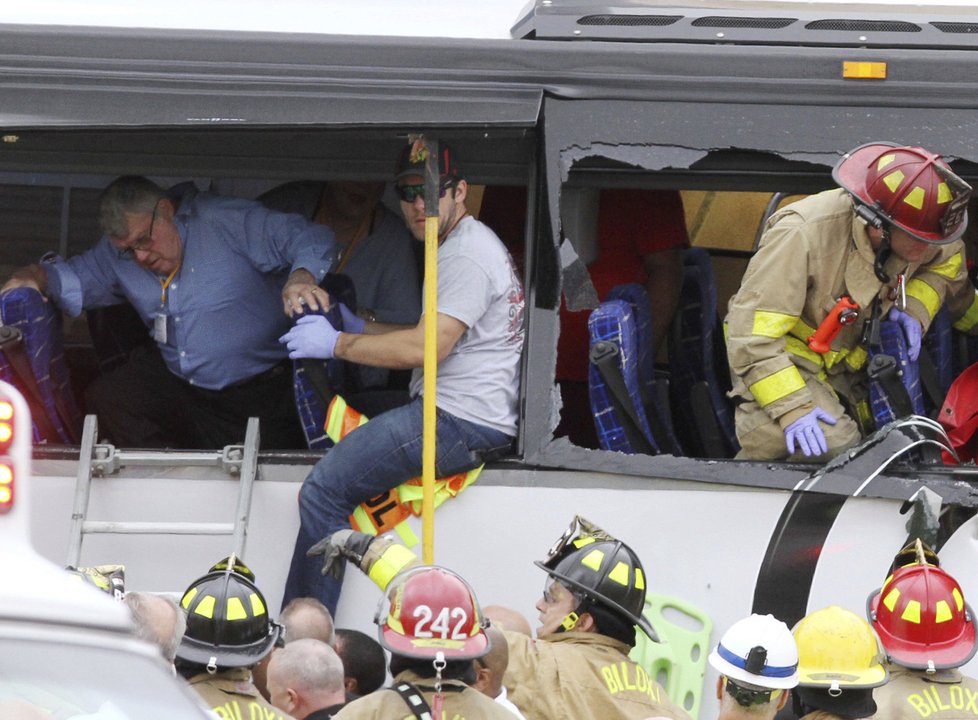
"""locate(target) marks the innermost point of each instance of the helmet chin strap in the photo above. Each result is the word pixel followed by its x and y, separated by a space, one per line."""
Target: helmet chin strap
pixel 572 618
pixel 882 255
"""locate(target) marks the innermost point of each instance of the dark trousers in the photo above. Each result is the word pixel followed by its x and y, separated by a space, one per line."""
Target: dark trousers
pixel 144 405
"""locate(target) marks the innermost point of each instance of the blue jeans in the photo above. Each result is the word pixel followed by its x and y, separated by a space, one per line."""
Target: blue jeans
pixel 370 460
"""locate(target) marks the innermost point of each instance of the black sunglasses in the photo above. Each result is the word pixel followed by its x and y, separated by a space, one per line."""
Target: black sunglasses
pixel 410 193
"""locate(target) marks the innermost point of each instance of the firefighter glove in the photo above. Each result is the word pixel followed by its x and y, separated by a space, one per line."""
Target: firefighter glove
pixel 341 544
pixel 312 336
pixel 911 330
pixel 806 433
pixel 352 323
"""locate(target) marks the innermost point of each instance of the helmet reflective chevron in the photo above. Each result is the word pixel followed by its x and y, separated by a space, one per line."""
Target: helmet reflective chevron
pixel 908 187
pixel 921 617
pixel 429 610
pixel 758 650
pixel 227 620
pixel 606 572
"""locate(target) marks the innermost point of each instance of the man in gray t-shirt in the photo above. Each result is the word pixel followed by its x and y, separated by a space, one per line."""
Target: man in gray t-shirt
pixel 479 342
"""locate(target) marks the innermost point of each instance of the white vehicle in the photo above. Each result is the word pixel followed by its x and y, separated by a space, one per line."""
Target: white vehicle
pixel 67 650
pixel 736 106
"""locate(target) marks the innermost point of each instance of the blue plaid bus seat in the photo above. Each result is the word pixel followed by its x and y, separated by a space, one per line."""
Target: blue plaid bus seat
pixel 613 322
pixel 656 405
pixel 698 371
pixel 893 343
pixel 40 325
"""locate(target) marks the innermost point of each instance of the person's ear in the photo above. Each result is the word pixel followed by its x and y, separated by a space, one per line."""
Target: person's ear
pixel 483 676
pixel 720 688
pixel 293 700
pixel 167 209
pixel 461 191
pixel 784 699
pixel 585 623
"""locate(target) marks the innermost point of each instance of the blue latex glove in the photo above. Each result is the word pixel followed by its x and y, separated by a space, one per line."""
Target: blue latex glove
pixel 352 323
pixel 311 337
pixel 807 434
pixel 911 330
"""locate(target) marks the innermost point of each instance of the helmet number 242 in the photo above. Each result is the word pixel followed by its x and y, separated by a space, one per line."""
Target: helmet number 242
pixel 440 625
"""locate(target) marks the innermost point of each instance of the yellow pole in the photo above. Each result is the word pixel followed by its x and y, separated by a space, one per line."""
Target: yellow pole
pixel 431 182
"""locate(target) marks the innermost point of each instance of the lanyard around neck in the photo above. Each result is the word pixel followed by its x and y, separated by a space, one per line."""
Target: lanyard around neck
pixel 164 284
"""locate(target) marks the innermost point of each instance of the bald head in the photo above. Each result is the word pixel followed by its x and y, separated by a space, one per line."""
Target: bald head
pixel 159 620
pixel 307 618
pixel 491 667
pixel 508 619
pixel 305 676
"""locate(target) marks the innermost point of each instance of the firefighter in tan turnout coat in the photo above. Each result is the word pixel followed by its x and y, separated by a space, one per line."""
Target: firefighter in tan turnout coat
pixel 886 244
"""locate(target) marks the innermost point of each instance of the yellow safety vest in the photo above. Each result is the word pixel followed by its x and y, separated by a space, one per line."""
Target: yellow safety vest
pixel 390 510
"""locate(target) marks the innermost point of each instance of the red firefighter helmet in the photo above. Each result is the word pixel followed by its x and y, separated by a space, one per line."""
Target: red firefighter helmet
pixel 959 415
pixel 430 609
pixel 907 187
pixel 922 618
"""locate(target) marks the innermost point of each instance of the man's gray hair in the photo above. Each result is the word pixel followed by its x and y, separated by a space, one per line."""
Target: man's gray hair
pixel 309 666
pixel 127 195
pixel 142 606
pixel 307 617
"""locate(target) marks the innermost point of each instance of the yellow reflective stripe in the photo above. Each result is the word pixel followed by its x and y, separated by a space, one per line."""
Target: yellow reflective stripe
pixel 911 613
pixel 235 609
pixel 619 574
pixel 593 560
pixel 864 413
pixel 257 606
pixel 188 598
pixel 949 268
pixel 639 579
pixel 362 519
pixel 800 348
pixel 395 624
pixel 394 559
pixel 970 317
pixel 915 198
pixel 802 330
pixel 407 535
pixel 206 607
pixel 925 294
pixel 772 324
pixel 582 541
pixel 857 357
pixel 942 612
pixel 958 600
pixel 891 598
pixel 776 386
pixel 334 419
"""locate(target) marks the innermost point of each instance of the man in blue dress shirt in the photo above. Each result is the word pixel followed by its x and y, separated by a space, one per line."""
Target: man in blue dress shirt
pixel 215 281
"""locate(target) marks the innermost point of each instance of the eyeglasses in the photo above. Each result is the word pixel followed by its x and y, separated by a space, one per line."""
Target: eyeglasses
pixel 548 591
pixel 142 243
pixel 410 193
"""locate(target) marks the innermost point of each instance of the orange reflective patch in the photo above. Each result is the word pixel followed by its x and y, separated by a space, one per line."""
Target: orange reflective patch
pixel 383 513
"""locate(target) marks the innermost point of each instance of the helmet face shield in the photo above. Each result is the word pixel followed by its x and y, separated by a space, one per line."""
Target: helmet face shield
pixel 906 187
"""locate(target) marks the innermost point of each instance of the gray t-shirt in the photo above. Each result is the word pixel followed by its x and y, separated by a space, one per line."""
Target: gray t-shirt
pixel 478 285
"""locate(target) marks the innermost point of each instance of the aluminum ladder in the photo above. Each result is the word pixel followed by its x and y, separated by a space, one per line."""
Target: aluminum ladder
pixel 100 460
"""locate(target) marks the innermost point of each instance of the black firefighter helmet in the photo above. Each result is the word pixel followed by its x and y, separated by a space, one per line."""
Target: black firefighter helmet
pixel 605 570
pixel 227 619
